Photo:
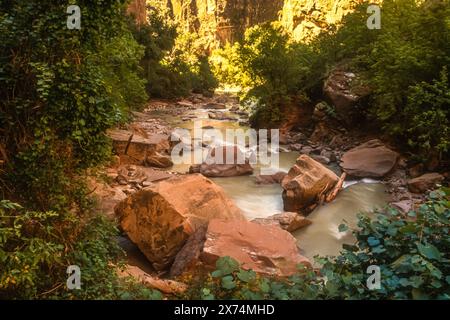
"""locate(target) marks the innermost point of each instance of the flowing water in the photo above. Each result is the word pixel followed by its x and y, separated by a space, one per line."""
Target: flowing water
pixel 259 201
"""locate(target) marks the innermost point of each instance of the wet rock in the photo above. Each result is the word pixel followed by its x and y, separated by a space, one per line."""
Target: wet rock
pixel 159 219
pixel 265 249
pixel 270 179
pixel 341 90
pixel 289 221
pixel 369 160
pixel 425 182
pixel 416 171
pixel 159 160
pixel 307 184
pixel 322 159
pixel 214 106
pixel 189 256
pixel 226 161
pixel 296 147
pixel 404 206
pixel 133 148
pixel 220 116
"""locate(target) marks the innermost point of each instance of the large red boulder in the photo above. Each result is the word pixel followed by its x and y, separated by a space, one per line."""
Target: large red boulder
pixel 307 183
pixel 369 160
pixel 265 249
pixel 159 219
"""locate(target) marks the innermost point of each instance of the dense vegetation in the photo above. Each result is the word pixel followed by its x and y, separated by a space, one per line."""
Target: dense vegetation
pixel 405 64
pixel 411 252
pixel 175 63
pixel 60 90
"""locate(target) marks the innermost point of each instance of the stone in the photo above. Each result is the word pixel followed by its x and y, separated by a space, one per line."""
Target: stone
pixel 405 205
pixel 133 148
pixel 188 257
pixel 425 182
pixel 159 160
pixel 369 160
pixel 225 161
pixel 296 147
pixel 341 90
pixel 265 249
pixel 270 179
pixel 214 106
pixel 159 219
pixel 307 184
pixel 416 170
pixel 289 221
pixel 322 159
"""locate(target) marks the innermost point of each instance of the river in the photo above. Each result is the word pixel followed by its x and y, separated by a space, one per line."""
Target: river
pixel 258 201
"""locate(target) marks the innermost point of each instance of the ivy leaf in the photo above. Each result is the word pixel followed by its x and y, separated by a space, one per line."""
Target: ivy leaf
pixel 343 227
pixel 228 283
pixel 429 251
pixel 373 242
pixel 246 276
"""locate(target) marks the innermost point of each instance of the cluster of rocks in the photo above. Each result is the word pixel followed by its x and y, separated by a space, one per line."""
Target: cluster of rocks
pixel 188 220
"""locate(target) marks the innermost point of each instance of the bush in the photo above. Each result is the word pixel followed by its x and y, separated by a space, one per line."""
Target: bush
pixel 273 73
pixel 401 62
pixel 175 64
pixel 411 252
pixel 37 247
pixel 60 90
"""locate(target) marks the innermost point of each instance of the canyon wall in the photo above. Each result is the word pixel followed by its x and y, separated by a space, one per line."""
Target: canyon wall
pixel 306 18
pixel 221 21
pixel 224 20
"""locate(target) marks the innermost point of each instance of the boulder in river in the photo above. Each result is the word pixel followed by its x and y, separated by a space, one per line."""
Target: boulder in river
pixel 134 148
pixel 226 161
pixel 425 182
pixel 261 246
pixel 369 160
pixel 307 184
pixel 159 219
pixel 289 221
pixel 271 178
pixel 265 249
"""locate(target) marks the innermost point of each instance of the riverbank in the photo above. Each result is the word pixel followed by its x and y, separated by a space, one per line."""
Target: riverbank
pixel 334 147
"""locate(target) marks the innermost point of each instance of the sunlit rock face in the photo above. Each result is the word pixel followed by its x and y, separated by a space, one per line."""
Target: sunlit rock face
pixel 306 18
pixel 224 20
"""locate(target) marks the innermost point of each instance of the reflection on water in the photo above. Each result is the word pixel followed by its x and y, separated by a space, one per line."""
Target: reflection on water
pixel 322 237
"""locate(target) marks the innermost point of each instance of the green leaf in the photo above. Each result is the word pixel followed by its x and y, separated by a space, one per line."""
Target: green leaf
pixel 228 283
pixel 343 227
pixel 429 251
pixel 246 276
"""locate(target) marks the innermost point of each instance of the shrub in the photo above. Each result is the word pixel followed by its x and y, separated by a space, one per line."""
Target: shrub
pixel 410 250
pixel 175 63
pixel 37 247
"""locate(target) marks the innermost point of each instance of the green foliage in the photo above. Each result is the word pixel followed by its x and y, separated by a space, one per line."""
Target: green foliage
pixel 405 63
pixel 411 252
pixel 273 72
pixel 37 247
pixel 60 90
pixel 174 63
